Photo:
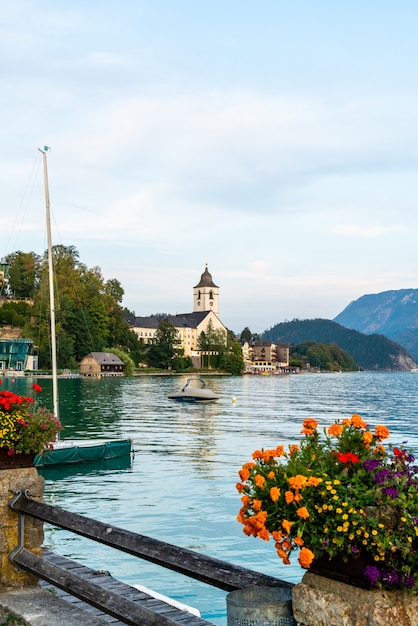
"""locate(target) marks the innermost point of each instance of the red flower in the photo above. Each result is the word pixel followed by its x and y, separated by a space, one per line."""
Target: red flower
pixel 36 387
pixel 348 457
pixel 401 454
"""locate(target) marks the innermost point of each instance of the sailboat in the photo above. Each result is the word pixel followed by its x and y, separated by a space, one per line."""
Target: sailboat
pixel 70 450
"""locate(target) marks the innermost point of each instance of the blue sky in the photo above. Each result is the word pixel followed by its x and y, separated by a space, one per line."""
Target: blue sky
pixel 277 140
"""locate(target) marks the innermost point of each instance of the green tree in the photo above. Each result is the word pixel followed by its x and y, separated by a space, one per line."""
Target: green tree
pixel 129 364
pixel 232 361
pixel 246 334
pixel 214 344
pixel 23 273
pixel 163 352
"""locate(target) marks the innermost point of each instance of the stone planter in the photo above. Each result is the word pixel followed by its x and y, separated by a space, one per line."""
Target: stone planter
pixel 350 571
pixel 14 461
pixel 320 601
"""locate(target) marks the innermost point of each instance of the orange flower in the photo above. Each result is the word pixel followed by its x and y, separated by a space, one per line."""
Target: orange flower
pixel 335 430
pixel 281 553
pixel 367 438
pixel 257 454
pixel 277 535
pixel 264 534
pixel 297 482
pixel 310 423
pixel 298 541
pixel 306 557
pixel 313 481
pixel 293 449
pixel 280 451
pixel 271 475
pixel 298 497
pixel 287 526
pixel 381 432
pixel 244 473
pixel 245 499
pixel 257 505
pixel 358 421
pixel 239 487
pixel 286 545
pixel 289 497
pixel 303 512
pixel 275 493
pixel 260 481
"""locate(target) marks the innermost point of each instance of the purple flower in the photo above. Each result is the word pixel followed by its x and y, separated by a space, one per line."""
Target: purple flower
pixel 371 464
pixel 354 550
pixel 391 491
pixel 390 577
pixel 381 476
pixel 407 581
pixel 372 574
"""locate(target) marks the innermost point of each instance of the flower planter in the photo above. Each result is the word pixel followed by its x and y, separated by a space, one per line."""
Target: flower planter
pixel 14 461
pixel 349 572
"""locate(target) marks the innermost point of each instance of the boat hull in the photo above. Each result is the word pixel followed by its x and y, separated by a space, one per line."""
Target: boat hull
pixel 194 395
pixel 83 452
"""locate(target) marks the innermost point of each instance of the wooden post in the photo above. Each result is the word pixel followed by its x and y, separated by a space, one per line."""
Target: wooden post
pixel 11 480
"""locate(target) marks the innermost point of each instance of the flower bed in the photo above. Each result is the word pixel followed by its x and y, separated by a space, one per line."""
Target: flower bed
pixel 337 494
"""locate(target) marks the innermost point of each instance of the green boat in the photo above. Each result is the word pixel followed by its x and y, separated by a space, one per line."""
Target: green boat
pixel 82 451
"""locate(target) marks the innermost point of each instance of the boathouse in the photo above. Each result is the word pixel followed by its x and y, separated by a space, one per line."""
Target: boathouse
pixel 102 364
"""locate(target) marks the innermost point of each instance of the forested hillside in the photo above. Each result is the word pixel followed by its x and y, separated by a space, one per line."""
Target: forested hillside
pixel 88 311
pixel 370 352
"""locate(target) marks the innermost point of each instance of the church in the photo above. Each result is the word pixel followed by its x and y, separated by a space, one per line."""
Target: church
pixel 188 325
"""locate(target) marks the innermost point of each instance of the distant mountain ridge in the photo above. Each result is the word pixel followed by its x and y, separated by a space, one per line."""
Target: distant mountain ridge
pixel 391 313
pixel 370 352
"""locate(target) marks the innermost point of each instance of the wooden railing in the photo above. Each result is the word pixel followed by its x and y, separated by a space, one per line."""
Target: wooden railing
pixel 204 568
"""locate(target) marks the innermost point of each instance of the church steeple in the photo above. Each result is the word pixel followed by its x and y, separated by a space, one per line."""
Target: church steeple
pixel 206 294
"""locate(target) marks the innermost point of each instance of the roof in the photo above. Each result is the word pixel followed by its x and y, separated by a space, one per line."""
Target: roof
pixel 206 280
pixel 146 322
pixel 105 358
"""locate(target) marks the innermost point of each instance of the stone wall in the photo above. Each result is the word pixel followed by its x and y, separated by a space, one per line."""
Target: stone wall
pixel 18 479
pixel 320 601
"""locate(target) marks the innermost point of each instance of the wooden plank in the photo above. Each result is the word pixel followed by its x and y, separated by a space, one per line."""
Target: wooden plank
pixel 114 604
pixel 193 564
pixel 127 591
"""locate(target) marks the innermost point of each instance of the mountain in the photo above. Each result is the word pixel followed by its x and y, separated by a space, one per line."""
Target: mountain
pixel 370 352
pixel 391 313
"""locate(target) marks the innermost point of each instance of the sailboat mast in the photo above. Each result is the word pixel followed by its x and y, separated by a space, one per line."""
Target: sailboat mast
pixel 51 290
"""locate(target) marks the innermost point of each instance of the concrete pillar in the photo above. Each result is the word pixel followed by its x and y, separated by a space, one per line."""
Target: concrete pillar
pixel 320 601
pixel 18 479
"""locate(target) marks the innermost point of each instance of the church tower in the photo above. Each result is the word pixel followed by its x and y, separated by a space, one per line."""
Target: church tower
pixel 206 294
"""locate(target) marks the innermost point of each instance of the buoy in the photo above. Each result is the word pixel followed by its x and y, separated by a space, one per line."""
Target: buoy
pixel 234 400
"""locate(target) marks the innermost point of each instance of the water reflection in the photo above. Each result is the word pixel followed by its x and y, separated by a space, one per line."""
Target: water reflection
pixel 180 487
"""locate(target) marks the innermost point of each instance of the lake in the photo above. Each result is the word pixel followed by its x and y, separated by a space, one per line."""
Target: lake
pixel 180 486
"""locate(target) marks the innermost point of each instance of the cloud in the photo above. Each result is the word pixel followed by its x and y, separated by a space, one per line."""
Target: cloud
pixel 365 232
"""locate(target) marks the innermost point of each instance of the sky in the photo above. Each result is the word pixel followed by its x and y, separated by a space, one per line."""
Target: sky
pixel 276 141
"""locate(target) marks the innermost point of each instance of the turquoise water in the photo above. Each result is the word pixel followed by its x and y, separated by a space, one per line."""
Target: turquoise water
pixel 180 486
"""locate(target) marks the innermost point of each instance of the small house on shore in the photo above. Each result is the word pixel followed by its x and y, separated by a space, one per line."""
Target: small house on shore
pixel 102 364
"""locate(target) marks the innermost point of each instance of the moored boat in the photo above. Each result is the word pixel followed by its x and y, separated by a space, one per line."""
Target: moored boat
pixel 193 393
pixel 67 450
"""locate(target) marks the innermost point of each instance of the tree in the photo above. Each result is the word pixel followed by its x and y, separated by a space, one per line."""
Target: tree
pixel 232 361
pixel 23 273
pixel 164 351
pixel 213 343
pixel 246 334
